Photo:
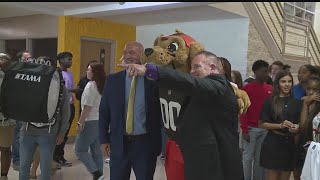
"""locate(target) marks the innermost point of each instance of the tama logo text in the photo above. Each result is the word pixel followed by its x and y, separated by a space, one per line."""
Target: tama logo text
pixel 27 77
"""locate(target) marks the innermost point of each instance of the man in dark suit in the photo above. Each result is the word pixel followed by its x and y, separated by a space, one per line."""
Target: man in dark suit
pixel 130 129
pixel 208 132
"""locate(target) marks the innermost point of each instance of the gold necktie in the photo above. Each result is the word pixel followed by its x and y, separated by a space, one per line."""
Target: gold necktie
pixel 129 122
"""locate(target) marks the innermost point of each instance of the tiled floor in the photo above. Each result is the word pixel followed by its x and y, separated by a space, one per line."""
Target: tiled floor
pixel 79 172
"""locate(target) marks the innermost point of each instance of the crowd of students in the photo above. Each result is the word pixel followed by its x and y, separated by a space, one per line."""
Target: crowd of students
pixel 276 130
pixel 281 121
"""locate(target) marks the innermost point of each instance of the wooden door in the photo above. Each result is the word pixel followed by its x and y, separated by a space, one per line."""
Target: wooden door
pixel 91 50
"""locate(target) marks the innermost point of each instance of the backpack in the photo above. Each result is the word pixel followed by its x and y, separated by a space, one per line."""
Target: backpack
pixel 26 91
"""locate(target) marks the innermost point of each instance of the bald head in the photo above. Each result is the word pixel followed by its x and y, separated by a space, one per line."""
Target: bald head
pixel 132 53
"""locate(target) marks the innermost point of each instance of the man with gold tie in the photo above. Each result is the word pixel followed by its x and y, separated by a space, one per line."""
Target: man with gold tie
pixel 130 121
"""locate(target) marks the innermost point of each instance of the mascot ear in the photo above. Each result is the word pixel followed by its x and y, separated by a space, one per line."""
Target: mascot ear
pixel 156 41
pixel 178 31
pixel 195 47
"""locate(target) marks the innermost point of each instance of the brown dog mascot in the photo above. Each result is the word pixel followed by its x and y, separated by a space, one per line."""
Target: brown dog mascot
pixel 174 51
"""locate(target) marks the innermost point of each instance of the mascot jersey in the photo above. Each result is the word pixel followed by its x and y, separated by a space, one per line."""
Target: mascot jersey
pixel 171 102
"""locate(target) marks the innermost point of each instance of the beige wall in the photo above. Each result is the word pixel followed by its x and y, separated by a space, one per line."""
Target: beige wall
pixel 256 49
pixel 34 26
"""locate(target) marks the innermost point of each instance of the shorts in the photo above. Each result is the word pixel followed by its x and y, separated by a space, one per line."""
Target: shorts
pixel 174 163
pixel 6 135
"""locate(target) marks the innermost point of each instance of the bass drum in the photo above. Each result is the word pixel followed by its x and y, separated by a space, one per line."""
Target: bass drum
pixel 54 99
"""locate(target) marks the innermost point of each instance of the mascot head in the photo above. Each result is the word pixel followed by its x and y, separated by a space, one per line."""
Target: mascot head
pixel 175 51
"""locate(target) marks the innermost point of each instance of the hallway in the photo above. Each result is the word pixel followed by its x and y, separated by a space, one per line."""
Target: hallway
pixel 78 172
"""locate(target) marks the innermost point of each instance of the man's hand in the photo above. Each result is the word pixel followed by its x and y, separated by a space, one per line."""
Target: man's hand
pixel 105 149
pixel 59 139
pixel 134 69
pixel 246 137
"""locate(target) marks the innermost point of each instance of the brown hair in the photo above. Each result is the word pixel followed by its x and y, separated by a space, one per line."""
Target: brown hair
pixel 278 63
pixel 276 103
pixel 226 66
pixel 238 78
pixel 99 76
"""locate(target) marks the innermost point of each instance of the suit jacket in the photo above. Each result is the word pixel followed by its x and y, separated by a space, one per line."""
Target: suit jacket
pixel 112 115
pixel 208 117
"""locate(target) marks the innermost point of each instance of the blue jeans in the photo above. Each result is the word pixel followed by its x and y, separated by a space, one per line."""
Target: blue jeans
pixel 16 144
pixel 89 138
pixel 251 154
pixel 28 144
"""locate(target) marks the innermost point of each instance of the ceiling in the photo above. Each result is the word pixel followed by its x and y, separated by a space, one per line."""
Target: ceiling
pixel 135 13
pixel 172 16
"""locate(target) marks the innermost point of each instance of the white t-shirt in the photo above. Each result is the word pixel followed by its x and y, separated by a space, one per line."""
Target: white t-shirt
pixel 91 97
pixel 316 128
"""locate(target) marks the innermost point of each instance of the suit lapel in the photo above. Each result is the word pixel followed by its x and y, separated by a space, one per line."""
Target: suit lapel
pixel 147 90
pixel 122 93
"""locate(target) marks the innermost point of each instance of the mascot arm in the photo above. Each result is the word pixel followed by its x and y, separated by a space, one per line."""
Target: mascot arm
pixel 187 84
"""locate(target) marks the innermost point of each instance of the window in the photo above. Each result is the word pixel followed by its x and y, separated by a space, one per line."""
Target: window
pixel 304 10
pixel 44 47
pixel 14 46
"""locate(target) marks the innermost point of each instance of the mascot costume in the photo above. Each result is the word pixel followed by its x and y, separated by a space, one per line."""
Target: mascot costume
pixel 176 51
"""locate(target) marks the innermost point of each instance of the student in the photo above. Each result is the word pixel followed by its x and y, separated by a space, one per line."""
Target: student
pixel 280 116
pixel 88 136
pixel 81 85
pixel 46 136
pixel 258 91
pixel 7 128
pixel 310 120
pixel 237 78
pixel 65 61
pixel 304 73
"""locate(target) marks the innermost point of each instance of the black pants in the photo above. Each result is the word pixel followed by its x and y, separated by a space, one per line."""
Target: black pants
pixel 59 150
pixel 202 162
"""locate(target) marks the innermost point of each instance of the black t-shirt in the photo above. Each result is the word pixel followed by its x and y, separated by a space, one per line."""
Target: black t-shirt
pixel 291 112
pixel 171 102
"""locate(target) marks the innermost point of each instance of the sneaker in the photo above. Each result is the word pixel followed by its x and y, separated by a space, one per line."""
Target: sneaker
pixel 107 160
pixel 3 178
pixel 98 177
pixel 64 162
pixel 101 177
pixel 55 165
pixel 15 166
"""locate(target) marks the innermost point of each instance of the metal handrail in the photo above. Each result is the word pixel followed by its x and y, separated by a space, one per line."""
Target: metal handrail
pixel 272 20
pixel 312 47
pixel 279 20
pixel 315 38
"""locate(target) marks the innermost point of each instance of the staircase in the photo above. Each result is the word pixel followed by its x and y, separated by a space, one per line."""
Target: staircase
pixel 290 39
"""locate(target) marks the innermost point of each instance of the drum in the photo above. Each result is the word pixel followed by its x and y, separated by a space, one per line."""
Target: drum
pixel 32 92
pixel 54 99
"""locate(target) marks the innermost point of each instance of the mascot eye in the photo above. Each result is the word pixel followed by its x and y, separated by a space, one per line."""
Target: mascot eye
pixel 173 47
